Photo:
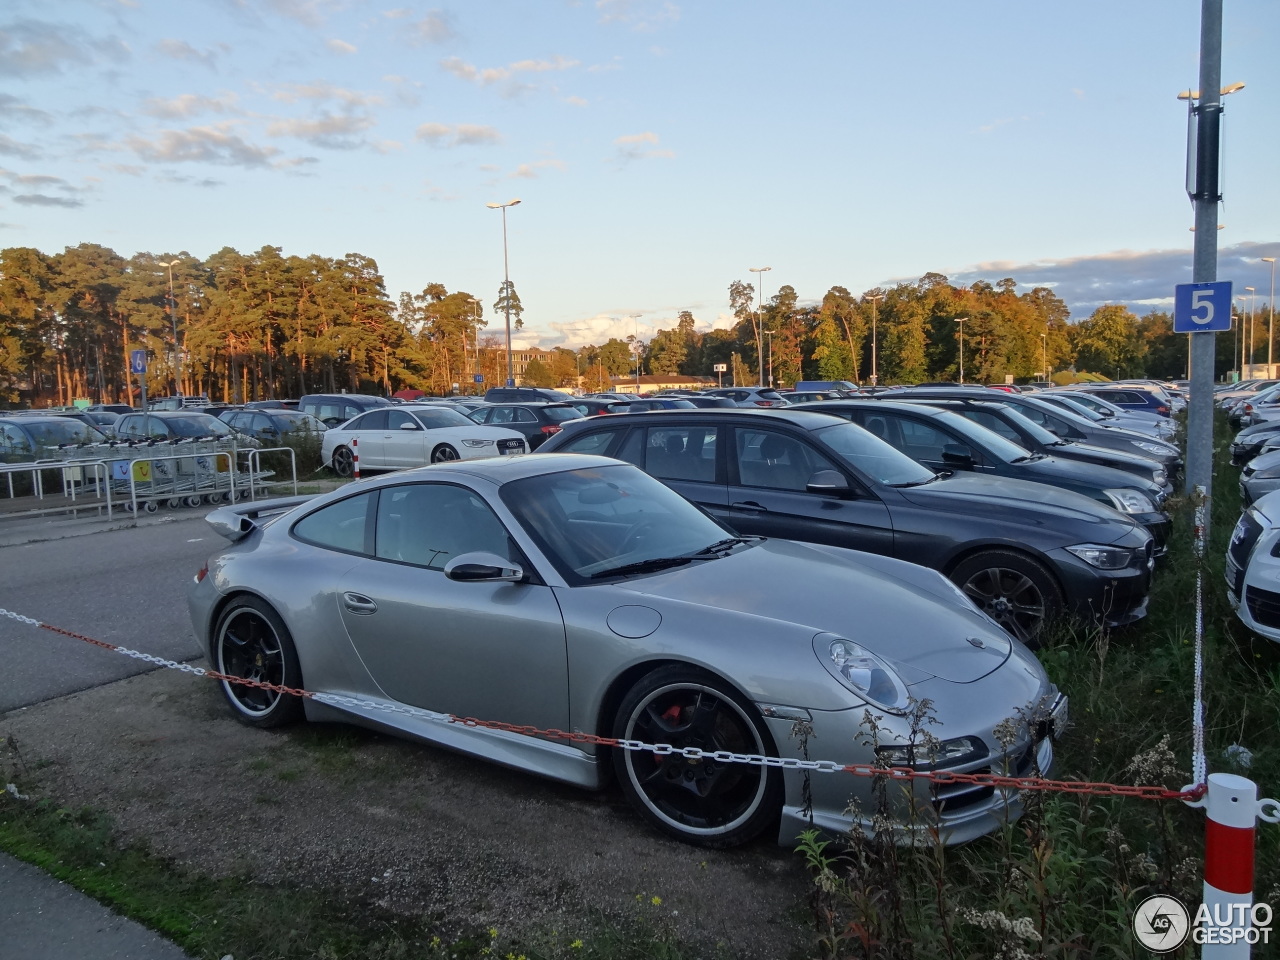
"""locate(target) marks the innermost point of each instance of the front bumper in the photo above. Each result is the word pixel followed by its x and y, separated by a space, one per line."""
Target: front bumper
pixel 958 811
pixel 1253 576
pixel 1113 597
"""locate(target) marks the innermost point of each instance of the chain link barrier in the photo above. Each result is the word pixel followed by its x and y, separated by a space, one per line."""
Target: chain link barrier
pixel 900 774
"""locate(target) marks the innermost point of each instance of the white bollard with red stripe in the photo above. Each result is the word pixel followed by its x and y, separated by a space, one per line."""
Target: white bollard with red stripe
pixel 1227 923
pixel 355 458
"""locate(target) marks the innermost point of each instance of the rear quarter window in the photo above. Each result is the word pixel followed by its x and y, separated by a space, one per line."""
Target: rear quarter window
pixel 346 525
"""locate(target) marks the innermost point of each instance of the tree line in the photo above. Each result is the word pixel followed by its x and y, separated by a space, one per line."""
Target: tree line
pixel 239 327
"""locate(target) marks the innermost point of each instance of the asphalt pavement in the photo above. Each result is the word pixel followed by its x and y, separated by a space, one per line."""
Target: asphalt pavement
pixel 42 918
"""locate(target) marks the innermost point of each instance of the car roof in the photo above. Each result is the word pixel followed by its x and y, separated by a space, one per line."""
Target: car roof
pixel 783 416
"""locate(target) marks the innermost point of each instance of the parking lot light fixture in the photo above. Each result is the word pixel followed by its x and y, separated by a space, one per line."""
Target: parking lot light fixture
pixel 173 322
pixel 1271 313
pixel 961 320
pixel 506 283
pixel 760 319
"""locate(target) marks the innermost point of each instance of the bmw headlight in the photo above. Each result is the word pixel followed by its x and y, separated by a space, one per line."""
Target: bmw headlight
pixel 1159 449
pixel 1128 500
pixel 1102 557
pixel 946 753
pixel 866 674
pixel 477 443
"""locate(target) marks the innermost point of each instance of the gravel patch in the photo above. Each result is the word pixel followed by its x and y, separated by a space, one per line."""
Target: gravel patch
pixel 418 830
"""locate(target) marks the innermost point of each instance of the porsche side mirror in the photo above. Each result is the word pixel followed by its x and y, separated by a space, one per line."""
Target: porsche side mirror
pixel 480 566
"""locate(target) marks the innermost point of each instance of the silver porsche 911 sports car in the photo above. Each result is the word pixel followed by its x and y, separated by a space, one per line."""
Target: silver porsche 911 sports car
pixel 576 593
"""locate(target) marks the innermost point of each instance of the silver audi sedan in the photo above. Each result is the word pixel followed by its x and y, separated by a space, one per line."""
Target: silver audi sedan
pixel 570 594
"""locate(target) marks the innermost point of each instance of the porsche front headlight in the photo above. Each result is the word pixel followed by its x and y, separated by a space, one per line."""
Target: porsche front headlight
pixel 866 674
pixel 946 753
pixel 1128 500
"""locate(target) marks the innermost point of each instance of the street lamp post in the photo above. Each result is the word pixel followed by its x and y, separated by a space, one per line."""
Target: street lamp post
pixel 769 334
pixel 636 318
pixel 874 298
pixel 760 319
pixel 476 302
pixel 961 320
pixel 173 322
pixel 506 284
pixel 1271 314
pixel 1044 356
pixel 1242 329
pixel 1253 324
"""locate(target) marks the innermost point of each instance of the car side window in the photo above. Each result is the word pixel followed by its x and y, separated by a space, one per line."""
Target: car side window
pixel 597 443
pixel 428 524
pixel 261 423
pixel 398 418
pixel 776 461
pixel 681 453
pixel 501 415
pixel 922 441
pixel 346 525
pixel 522 415
pixel 15 441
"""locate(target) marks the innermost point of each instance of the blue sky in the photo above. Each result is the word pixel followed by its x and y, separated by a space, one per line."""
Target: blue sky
pixel 660 149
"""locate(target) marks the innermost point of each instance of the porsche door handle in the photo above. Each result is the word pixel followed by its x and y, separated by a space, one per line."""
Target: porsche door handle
pixel 358 604
pixel 748 506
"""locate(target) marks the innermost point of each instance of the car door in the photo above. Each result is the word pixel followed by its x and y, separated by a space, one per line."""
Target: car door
pixel 474 649
pixel 365 434
pixel 404 441
pixel 769 471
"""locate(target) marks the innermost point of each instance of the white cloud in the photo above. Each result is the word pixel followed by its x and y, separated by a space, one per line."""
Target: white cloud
pixel 208 144
pixel 181 50
pixel 15 148
pixel 340 47
pixel 642 16
pixel 632 147
pixel 435 27
pixel 508 75
pixel 575 101
pixel 294 92
pixel 457 135
pixel 188 105
pixel 530 171
pixel 33 47
pixel 334 131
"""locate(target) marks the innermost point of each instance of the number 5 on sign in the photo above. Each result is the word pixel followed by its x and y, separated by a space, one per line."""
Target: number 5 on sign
pixel 1202 307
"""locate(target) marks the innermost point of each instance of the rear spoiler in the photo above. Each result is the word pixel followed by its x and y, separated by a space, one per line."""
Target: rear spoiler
pixel 239 520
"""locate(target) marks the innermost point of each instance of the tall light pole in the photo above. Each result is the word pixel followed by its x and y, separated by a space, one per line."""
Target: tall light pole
pixel 475 301
pixel 173 322
pixel 1253 324
pixel 636 318
pixel 769 334
pixel 1240 334
pixel 1271 314
pixel 506 284
pixel 961 320
pixel 760 318
pixel 874 298
pixel 1044 356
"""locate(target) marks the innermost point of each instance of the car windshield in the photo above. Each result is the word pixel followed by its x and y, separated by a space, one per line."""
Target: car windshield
pixel 561 414
pixel 593 521
pixel 1006 450
pixel 434 417
pixel 50 433
pixel 293 420
pixel 1026 425
pixel 197 425
pixel 1077 406
pixel 872 456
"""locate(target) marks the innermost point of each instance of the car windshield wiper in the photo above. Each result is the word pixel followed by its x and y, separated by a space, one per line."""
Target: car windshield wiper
pixel 645 566
pixel 1029 458
pixel 725 544
pixel 921 483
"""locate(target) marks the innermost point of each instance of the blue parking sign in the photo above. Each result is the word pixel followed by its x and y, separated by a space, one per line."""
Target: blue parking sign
pixel 1202 307
pixel 137 361
pixel 479 378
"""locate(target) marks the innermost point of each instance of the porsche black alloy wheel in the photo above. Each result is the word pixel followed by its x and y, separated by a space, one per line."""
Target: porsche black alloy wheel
pixel 708 802
pixel 252 643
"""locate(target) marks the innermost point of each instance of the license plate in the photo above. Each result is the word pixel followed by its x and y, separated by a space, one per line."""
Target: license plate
pixel 511 446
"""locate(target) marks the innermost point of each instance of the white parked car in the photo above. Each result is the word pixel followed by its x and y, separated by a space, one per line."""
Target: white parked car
pixel 413 435
pixel 1253 569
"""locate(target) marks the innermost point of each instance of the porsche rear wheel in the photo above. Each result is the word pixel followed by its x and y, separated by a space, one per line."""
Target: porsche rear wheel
pixel 707 802
pixel 252 644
